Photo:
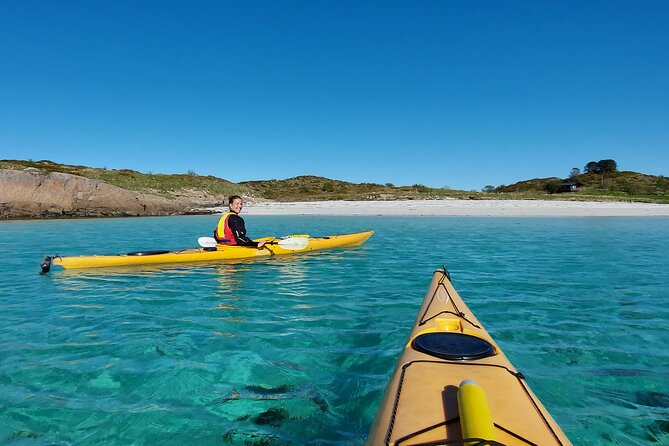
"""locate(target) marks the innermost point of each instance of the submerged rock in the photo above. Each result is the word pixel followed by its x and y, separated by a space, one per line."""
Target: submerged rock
pixel 274 416
pixel 252 439
pixel 283 388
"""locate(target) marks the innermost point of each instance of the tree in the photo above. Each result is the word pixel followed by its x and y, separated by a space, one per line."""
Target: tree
pixel 601 166
pixel 607 166
pixel 592 166
pixel 488 189
pixel 574 172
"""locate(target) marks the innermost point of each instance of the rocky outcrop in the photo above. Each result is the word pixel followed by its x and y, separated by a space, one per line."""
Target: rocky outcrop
pixel 35 194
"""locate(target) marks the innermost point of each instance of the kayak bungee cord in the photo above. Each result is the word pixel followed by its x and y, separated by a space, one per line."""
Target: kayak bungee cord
pixel 516 374
pixel 457 313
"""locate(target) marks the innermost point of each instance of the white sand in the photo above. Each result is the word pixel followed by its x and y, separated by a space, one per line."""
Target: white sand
pixel 479 208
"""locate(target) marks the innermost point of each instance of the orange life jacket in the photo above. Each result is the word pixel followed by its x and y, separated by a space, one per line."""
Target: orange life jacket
pixel 223 228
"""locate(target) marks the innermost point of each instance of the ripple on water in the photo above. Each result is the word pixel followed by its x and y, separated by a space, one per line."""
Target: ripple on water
pixel 295 350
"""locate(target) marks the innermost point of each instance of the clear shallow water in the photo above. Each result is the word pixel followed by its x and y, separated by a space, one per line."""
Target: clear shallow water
pixel 298 350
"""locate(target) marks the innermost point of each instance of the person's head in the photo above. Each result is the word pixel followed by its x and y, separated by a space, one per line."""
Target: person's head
pixel 235 203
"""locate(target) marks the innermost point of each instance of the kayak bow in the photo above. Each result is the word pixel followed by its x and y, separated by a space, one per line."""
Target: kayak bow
pixel 273 246
pixel 454 386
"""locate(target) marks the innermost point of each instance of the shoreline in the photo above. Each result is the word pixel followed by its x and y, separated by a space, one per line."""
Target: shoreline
pixel 460 208
pixel 444 207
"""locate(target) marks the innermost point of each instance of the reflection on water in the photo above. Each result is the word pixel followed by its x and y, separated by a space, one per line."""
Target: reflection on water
pixel 291 276
pixel 229 277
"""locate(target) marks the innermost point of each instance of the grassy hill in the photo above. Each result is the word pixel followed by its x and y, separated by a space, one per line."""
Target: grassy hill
pixel 158 184
pixel 302 188
pixel 615 186
pixel 312 188
pixel 625 185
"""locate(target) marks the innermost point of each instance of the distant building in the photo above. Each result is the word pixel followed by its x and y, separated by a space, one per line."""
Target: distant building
pixel 570 186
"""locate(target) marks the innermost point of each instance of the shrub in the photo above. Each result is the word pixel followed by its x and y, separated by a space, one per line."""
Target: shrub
pixel 553 187
pixel 421 188
pixel 328 187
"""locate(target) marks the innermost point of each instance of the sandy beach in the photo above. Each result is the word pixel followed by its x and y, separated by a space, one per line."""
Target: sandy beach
pixel 478 208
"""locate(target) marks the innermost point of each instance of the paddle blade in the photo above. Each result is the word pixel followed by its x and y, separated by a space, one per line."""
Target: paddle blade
pixel 207 242
pixel 293 243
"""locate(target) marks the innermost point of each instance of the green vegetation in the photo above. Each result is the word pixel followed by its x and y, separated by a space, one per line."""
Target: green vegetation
pixel 601 181
pixel 158 184
pixel 312 188
pixel 601 166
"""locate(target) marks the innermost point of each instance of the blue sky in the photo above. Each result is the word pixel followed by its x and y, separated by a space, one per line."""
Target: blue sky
pixel 442 93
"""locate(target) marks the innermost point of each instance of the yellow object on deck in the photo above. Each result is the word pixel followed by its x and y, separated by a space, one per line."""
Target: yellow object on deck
pixel 475 417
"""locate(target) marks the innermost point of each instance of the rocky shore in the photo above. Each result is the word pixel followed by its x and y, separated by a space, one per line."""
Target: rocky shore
pixel 33 194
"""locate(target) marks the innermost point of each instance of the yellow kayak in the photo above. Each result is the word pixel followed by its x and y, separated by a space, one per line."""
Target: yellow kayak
pixel 273 246
pixel 453 385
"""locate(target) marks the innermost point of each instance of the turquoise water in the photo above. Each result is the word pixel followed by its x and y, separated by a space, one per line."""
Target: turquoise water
pixel 298 350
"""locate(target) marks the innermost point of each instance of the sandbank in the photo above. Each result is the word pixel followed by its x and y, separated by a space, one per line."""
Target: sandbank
pixel 454 207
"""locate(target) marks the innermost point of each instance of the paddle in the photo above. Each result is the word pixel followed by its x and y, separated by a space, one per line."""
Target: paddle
pixel 290 243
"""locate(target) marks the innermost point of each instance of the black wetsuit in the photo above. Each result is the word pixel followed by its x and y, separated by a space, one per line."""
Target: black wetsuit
pixel 236 224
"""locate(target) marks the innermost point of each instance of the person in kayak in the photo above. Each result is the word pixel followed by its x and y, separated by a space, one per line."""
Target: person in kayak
pixel 231 229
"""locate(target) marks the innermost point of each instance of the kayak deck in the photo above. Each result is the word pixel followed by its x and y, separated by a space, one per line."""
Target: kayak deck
pixel 220 252
pixel 448 346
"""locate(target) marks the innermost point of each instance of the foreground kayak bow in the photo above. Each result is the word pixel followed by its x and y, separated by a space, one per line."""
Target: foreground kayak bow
pixel 454 386
pixel 273 246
